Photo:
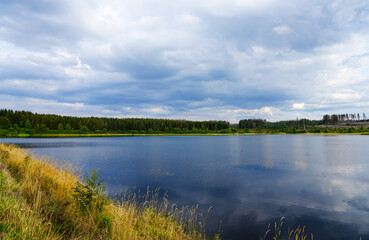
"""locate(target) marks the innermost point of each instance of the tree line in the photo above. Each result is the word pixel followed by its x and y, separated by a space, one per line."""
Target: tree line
pixel 51 123
pixel 263 124
pixel 339 118
pixel 305 125
pixel 252 123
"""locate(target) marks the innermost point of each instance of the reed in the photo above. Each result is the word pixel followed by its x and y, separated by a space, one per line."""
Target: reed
pixel 292 234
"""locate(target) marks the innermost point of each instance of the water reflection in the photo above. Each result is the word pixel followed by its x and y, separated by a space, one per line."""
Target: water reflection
pixel 318 181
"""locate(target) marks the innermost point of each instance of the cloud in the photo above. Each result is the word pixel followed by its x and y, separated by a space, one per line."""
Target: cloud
pixel 298 106
pixel 187 59
pixel 281 29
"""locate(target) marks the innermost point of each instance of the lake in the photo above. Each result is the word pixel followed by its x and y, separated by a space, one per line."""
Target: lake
pixel 318 181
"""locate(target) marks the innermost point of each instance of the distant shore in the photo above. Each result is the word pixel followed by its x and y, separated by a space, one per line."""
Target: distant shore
pixel 166 134
pixel 22 124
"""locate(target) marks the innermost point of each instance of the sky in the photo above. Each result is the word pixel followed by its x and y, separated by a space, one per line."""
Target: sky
pixel 195 60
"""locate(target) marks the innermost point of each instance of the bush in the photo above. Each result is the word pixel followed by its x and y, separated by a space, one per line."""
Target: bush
pixel 227 130
pixel 315 130
pixel 300 131
pixel 84 129
pixel 177 130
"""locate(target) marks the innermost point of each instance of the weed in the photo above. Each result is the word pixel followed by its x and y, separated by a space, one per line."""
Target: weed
pixel 27 159
pixel 293 234
pixel 298 234
pixel 104 222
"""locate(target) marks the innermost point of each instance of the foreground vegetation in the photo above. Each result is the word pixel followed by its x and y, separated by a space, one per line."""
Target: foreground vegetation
pixel 38 200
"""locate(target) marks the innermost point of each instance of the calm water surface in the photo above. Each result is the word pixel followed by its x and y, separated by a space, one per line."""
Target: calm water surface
pixel 250 181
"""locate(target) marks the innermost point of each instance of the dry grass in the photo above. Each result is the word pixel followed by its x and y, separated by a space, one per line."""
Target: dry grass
pixel 17 219
pixel 44 188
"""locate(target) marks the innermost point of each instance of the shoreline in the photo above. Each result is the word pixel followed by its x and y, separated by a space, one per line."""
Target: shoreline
pixel 164 134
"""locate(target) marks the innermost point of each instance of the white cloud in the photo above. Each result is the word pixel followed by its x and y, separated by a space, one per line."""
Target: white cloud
pixel 189 19
pixel 298 106
pixel 280 30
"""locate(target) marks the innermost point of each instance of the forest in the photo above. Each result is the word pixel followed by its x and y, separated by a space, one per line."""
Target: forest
pixel 34 123
pixel 335 123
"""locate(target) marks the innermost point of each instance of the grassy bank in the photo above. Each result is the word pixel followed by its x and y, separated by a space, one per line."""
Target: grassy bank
pixel 42 199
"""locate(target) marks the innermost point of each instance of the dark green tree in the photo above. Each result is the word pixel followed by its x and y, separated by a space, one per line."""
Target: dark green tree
pixel 252 123
pixel 68 128
pixel 327 119
pixel 60 127
pixel 84 129
pixel 28 124
pixel 334 119
pixel 42 128
pixel 5 123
